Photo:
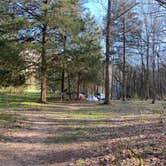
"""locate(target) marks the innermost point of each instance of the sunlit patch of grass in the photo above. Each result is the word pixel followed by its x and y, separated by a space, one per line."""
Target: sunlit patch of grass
pixel 14 101
pixel 25 100
pixel 83 115
pixel 30 103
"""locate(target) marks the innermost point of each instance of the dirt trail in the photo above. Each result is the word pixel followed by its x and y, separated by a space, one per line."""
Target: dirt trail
pixel 33 143
pixel 29 145
pixel 49 139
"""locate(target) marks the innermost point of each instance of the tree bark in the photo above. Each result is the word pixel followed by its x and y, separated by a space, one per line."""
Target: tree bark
pixel 43 60
pixel 78 86
pixel 107 60
pixel 63 70
pixel 153 75
pixel 154 87
pixel 142 77
pixel 62 84
pixel 43 65
pixel 147 68
pixel 159 77
pixel 69 86
pixel 124 62
pixel 43 89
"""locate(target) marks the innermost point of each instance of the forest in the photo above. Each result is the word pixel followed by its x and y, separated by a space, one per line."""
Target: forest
pixel 82 82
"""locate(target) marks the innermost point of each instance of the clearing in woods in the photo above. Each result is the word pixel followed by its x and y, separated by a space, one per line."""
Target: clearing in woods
pixel 82 134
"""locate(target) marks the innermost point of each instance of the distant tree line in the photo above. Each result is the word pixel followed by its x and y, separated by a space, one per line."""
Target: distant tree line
pixel 137 48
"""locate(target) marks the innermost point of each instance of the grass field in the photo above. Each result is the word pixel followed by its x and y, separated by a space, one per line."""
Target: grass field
pixel 131 133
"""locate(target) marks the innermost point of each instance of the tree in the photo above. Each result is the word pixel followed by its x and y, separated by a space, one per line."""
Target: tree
pixel 11 64
pixel 107 54
pixel 44 20
pixel 83 51
pixel 162 3
pixel 79 60
pixel 126 30
pixel 153 31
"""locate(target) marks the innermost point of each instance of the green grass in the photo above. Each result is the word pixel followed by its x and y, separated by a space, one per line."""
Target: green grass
pixel 8 118
pixel 87 114
pixel 30 100
pixel 70 137
pixel 24 100
pixel 13 101
pixel 77 124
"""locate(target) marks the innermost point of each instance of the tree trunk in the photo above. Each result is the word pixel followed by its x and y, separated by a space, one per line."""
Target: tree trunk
pixel 69 86
pixel 43 65
pixel 130 81
pixel 62 84
pixel 134 83
pixel 153 77
pixel 142 77
pixel 112 81
pixel 159 77
pixel 43 60
pixel 107 61
pixel 78 86
pixel 63 71
pixel 43 89
pixel 147 68
pixel 124 62
pixel 154 88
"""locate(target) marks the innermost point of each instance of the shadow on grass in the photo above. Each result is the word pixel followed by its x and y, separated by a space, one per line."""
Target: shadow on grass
pixel 94 134
pixel 78 131
pixel 79 134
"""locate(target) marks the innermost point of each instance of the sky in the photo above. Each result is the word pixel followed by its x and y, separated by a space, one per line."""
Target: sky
pixel 96 9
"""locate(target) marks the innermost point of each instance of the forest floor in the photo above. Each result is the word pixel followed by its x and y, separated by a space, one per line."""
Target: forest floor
pixel 131 133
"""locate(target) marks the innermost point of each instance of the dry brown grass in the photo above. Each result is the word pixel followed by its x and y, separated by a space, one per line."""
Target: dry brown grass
pixel 86 134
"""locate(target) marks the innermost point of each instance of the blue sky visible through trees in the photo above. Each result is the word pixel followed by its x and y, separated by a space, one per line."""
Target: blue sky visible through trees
pixel 98 9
